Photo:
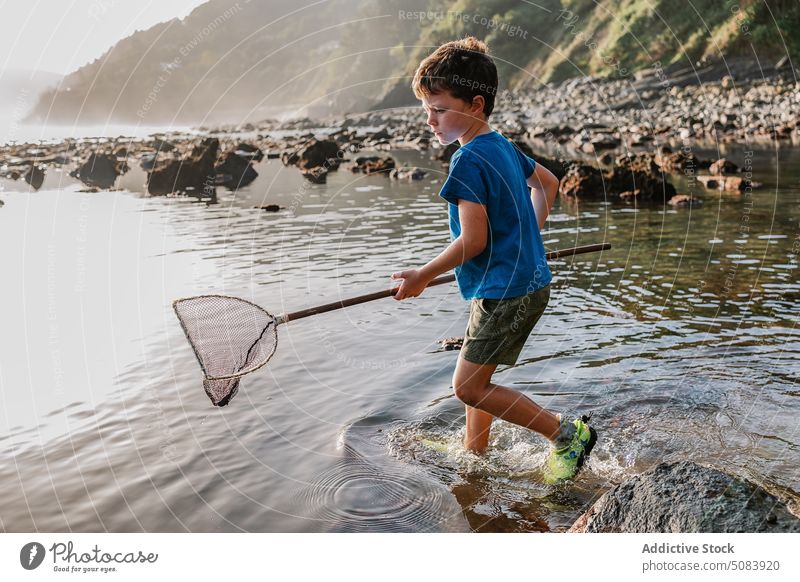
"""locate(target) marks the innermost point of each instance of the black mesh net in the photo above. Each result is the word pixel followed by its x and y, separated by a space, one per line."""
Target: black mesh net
pixel 231 337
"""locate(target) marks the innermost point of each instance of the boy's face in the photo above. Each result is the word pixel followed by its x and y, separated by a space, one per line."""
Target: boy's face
pixel 450 117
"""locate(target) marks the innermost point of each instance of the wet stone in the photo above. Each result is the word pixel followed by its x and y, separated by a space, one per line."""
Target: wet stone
pixel 684 497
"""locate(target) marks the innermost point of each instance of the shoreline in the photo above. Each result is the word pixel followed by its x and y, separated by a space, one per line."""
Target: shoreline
pixel 648 132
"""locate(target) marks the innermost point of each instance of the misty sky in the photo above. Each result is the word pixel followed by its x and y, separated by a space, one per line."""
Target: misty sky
pixel 61 35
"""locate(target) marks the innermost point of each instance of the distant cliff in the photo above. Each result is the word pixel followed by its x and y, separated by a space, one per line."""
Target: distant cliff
pixel 245 60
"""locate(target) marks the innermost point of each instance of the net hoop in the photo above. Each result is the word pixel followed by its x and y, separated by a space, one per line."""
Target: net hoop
pixel 274 321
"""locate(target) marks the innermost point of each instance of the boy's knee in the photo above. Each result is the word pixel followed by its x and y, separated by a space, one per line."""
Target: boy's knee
pixel 468 393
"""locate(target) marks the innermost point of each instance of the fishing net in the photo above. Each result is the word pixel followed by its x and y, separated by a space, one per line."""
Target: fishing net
pixel 231 337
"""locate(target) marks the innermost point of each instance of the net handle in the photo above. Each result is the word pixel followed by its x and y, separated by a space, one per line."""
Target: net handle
pixel 438 281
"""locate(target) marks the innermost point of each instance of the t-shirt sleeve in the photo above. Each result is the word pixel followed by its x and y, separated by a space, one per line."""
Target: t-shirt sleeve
pixel 465 181
pixel 528 164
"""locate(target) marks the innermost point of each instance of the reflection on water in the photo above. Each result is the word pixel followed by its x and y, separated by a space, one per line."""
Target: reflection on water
pixel 681 341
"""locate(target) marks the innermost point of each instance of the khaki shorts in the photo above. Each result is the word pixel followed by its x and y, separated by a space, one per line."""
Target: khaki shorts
pixel 498 328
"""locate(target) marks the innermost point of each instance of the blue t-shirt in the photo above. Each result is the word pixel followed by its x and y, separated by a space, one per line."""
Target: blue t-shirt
pixel 492 171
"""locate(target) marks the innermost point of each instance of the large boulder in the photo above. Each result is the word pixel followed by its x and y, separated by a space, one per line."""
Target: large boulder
pixel 318 153
pixel 99 170
pixel 645 163
pixel 194 173
pixel 630 178
pixel 639 174
pixel 583 181
pixel 35 176
pixel 675 162
pixel 236 171
pixel 684 497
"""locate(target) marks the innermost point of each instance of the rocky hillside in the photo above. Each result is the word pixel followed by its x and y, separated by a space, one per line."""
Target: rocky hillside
pixel 246 60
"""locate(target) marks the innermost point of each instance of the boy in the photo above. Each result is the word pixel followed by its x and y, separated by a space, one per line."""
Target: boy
pixel 496 250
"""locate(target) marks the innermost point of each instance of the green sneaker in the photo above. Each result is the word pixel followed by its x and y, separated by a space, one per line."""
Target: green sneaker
pixel 563 463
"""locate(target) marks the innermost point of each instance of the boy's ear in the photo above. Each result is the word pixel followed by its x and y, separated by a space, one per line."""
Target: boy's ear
pixel 477 104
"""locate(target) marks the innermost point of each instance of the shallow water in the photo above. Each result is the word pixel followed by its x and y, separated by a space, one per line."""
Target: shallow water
pixel 681 341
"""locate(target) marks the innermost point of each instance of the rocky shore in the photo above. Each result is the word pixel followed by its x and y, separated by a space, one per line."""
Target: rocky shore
pixel 684 497
pixel 616 140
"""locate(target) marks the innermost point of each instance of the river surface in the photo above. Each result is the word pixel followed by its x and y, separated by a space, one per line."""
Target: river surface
pixel 681 342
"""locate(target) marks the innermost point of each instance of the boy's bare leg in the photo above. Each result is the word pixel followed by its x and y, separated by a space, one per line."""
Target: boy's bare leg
pixel 478 425
pixel 473 386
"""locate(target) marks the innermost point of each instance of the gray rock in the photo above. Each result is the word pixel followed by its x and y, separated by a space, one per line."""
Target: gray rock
pixel 99 170
pixel 317 154
pixel 373 165
pixel 684 497
pixel 148 161
pixel 161 145
pixel 380 134
pixel 583 181
pixel 408 174
pixel 630 178
pixel 237 171
pixel 685 201
pixel 35 176
pixel 194 173
pixel 723 166
pixel 639 174
pixel 728 183
pixel 451 343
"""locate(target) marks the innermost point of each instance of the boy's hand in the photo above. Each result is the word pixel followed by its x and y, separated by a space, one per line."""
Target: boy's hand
pixel 414 283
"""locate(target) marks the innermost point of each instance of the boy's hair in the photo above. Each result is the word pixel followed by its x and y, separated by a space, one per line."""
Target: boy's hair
pixel 461 67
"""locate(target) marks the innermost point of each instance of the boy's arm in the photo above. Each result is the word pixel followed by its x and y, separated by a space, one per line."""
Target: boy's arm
pixel 470 243
pixel 545 188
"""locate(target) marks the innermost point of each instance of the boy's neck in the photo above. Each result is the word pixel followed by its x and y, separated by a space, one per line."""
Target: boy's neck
pixel 478 128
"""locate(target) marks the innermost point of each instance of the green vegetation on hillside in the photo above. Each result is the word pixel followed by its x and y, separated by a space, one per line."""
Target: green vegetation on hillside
pixel 240 61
